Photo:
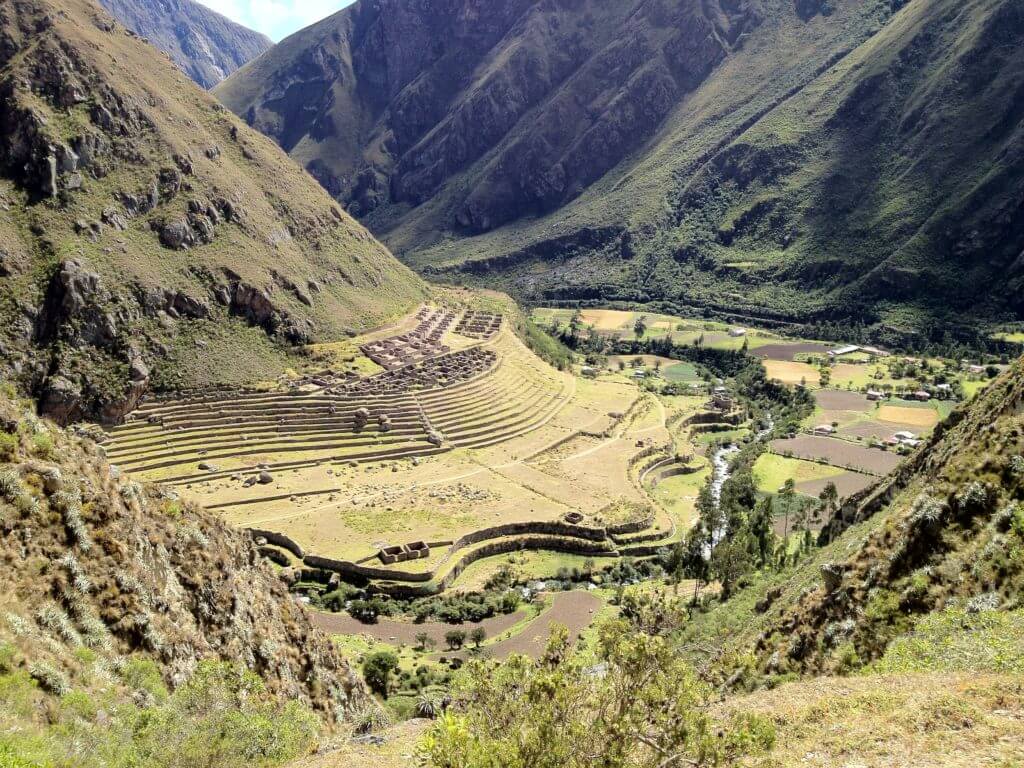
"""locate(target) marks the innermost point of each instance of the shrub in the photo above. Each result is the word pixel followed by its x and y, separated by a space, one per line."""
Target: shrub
pixel 8 446
pixel 371 719
pixel 10 484
pixel 7 653
pixel 455 638
pixel 52 617
pixel 377 670
pixel 42 445
pixel 974 499
pixel 49 679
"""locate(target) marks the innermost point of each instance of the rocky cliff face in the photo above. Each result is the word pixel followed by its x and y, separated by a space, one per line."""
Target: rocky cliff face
pixel 141 225
pixel 536 100
pixel 92 559
pixel 207 46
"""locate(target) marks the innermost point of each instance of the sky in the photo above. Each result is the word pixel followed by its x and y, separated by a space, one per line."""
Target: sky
pixel 276 18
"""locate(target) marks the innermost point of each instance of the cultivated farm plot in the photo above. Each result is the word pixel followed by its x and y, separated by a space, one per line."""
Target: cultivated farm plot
pixel 680 372
pixel 839 453
pixel 921 417
pixel 789 350
pixel 771 471
pixel 791 372
pixel 846 483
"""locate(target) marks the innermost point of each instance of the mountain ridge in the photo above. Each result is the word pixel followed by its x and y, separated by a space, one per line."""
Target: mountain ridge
pixel 206 45
pixel 758 191
pixel 151 241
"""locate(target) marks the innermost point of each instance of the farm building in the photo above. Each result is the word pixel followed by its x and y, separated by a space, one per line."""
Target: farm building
pixel 824 430
pixel 840 351
pixel 923 396
pixel 737 332
pixel 875 395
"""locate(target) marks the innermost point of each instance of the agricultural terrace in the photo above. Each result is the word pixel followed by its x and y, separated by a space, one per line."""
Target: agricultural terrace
pixel 418 449
pixel 871 407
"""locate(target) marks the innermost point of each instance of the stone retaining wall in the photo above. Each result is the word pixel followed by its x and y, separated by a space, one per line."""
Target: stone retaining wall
pixel 551 543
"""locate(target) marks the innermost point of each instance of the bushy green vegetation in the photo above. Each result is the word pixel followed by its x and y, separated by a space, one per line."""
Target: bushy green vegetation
pixel 546 347
pixel 221 716
pixel 640 706
pixel 959 639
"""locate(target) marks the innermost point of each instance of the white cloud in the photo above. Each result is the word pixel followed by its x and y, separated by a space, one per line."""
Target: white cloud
pixel 276 18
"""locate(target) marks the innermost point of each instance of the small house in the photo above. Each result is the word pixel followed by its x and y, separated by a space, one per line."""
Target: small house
pixel 875 395
pixel 824 430
pixel 922 396
pixel 737 332
pixel 904 436
pixel 588 372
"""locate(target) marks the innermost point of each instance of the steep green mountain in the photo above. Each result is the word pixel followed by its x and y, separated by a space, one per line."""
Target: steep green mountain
pixel 138 629
pixel 207 46
pixel 148 239
pixel 927 578
pixel 790 160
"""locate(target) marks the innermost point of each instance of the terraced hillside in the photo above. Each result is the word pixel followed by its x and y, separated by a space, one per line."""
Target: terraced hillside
pixel 471 448
pixel 495 390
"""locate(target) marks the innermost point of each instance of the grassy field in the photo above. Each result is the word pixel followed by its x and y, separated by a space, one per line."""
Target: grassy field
pixel 771 471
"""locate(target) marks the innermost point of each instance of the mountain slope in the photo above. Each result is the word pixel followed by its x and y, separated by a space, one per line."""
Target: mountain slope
pixel 105 579
pixel 929 576
pixel 207 46
pixel 147 238
pixel 790 160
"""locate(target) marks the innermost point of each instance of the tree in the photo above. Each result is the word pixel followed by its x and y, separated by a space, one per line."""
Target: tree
pixel 477 636
pixel 424 641
pixel 730 560
pixel 829 498
pixel 786 497
pixel 377 669
pixel 455 638
pixel 640 326
pixel 646 709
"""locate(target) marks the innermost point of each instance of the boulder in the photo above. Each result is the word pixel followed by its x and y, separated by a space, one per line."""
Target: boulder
pixel 177 235
pixel 265 478
pixel 832 575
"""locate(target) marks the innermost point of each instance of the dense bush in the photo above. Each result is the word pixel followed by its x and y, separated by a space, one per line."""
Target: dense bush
pixel 222 716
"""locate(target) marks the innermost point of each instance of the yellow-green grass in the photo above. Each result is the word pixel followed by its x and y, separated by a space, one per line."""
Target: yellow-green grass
pixel 911 721
pixel 790 372
pixel 771 471
pixel 678 496
pixel 726 436
pixel 924 418
pixel 526 565
pixel 680 372
pixel 974 386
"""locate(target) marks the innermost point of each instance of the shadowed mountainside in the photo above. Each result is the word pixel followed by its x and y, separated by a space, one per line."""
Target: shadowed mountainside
pixel 788 160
